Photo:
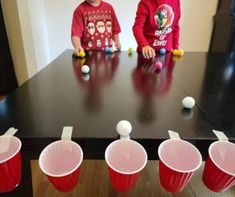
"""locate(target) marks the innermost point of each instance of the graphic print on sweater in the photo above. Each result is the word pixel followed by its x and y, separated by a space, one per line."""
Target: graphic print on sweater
pixel 99 28
pixel 164 17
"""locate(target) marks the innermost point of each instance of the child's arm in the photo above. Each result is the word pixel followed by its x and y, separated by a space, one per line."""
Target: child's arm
pixel 77 30
pixel 116 40
pixel 148 52
pixel 116 31
pixel 141 16
pixel 176 30
pixel 76 41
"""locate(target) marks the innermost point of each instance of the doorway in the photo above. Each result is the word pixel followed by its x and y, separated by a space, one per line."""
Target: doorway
pixel 8 80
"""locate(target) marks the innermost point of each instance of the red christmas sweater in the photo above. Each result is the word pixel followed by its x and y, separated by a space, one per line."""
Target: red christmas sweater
pixel 157 24
pixel 95 25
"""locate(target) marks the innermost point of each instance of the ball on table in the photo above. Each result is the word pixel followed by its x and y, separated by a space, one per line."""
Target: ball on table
pixel 162 51
pixel 158 65
pixel 107 50
pixel 180 52
pixel 85 69
pixel 175 52
pixel 130 51
pixel 188 102
pixel 124 128
pixel 81 54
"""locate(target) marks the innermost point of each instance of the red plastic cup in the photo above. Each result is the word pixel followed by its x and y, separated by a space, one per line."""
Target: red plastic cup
pixel 125 159
pixel 10 163
pixel 219 171
pixel 178 160
pixel 61 161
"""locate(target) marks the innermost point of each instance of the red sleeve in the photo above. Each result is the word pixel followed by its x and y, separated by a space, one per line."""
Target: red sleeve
pixel 141 15
pixel 176 30
pixel 77 23
pixel 116 26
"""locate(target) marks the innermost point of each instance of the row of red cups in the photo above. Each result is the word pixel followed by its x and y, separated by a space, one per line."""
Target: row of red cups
pixel 126 158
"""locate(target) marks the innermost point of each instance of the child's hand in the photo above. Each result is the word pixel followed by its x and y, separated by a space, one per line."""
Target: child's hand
pixel 77 50
pixel 148 52
pixel 117 45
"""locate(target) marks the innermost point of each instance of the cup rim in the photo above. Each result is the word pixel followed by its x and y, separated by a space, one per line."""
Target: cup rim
pixel 62 174
pixel 177 170
pixel 122 172
pixel 17 150
pixel 210 148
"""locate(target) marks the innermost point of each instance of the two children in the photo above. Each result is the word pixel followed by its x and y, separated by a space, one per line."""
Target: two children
pixel 95 26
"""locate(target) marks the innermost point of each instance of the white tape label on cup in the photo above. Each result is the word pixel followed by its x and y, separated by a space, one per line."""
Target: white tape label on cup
pixel 173 135
pixel 5 145
pixel 124 137
pixel 11 131
pixel 67 133
pixel 220 135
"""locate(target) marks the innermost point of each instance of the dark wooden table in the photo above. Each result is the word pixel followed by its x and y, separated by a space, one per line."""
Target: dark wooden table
pixel 121 87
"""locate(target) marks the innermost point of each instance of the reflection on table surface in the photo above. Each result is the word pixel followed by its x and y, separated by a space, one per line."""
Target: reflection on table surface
pixel 102 72
pixel 94 181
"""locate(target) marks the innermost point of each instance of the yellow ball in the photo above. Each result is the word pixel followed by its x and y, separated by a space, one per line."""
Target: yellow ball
pixel 180 52
pixel 175 52
pixel 130 50
pixel 81 54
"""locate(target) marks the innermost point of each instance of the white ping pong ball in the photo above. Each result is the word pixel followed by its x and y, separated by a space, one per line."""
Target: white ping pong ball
pixel 188 102
pixel 124 128
pixel 85 69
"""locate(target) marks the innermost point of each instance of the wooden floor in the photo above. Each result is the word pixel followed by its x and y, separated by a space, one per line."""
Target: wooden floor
pixel 94 182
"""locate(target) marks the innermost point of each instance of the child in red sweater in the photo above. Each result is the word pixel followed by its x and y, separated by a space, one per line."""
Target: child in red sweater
pixel 94 26
pixel 157 26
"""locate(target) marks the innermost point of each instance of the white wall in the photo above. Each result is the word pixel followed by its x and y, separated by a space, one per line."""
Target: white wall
pixel 38 25
pixel 126 16
pixel 59 16
pixel 27 36
pixel 196 24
